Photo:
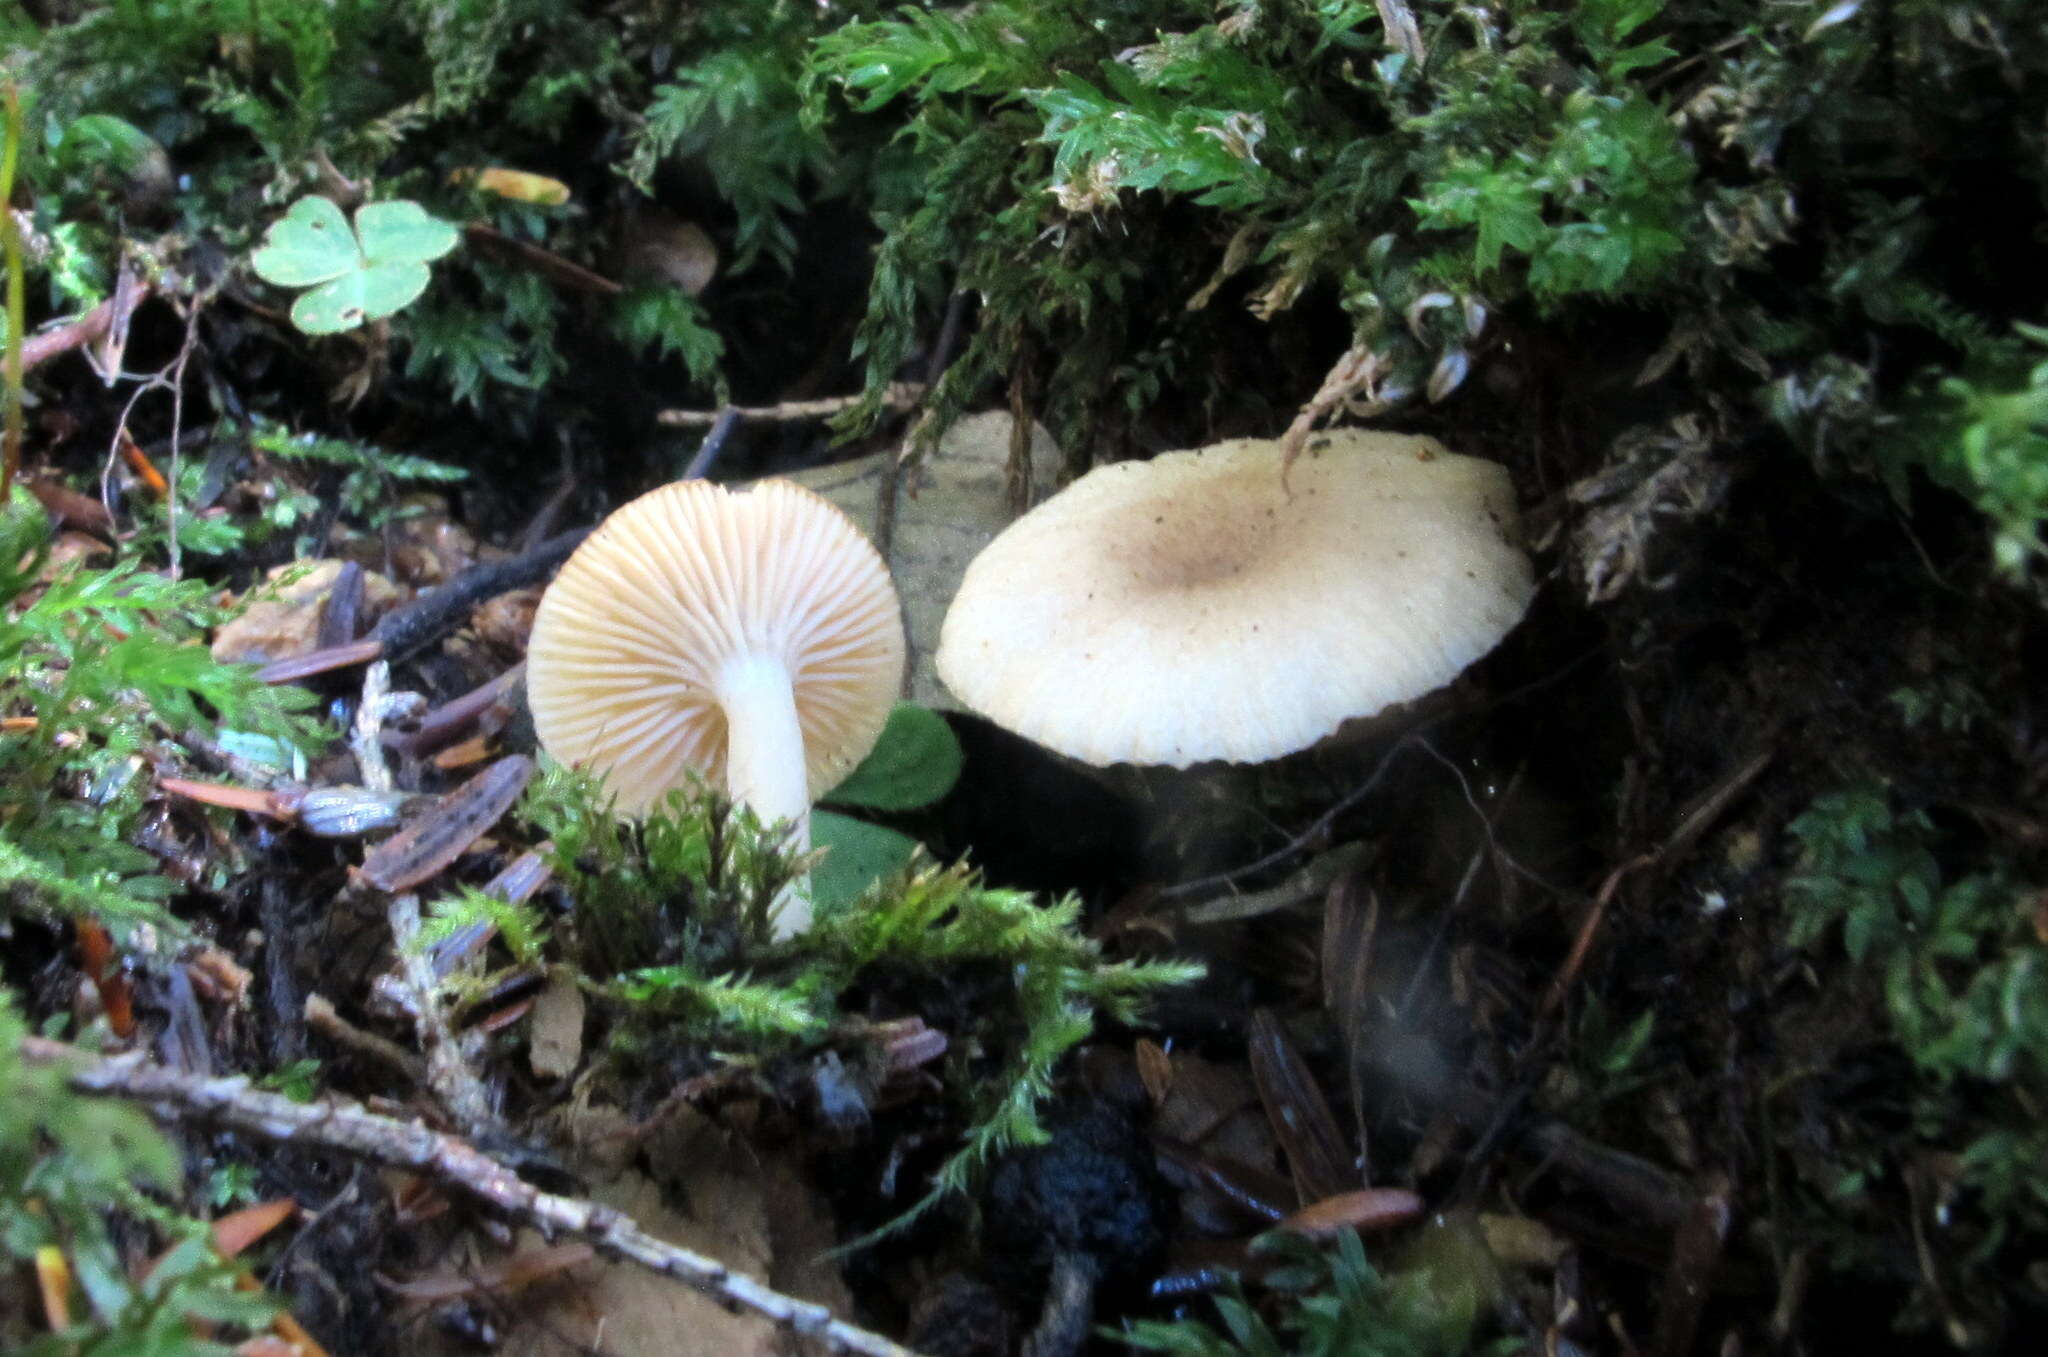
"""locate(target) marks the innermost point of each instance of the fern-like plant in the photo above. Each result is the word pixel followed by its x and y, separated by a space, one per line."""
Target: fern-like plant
pixel 101 673
pixel 66 1161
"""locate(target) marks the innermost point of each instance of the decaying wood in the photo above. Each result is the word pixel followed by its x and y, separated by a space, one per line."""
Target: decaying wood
pixel 343 1127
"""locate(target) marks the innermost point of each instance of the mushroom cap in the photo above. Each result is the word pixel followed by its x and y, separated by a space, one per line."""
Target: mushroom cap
pixel 629 640
pixel 1192 607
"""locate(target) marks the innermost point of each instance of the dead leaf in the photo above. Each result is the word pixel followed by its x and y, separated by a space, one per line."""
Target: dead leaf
pixel 286 623
pixel 1373 1208
pixel 1201 1096
pixel 555 1040
pixel 507 1274
pixel 1155 1069
pixel 522 186
pixel 1520 1242
pixel 69 508
pixel 237 1230
pixel 504 622
pixel 1301 1117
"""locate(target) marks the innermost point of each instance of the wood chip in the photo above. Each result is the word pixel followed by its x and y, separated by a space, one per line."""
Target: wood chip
pixel 555 1039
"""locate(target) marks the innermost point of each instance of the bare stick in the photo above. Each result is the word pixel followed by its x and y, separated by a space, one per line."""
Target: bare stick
pixel 452 1163
pixel 553 267
pixel 449 1073
pixel 441 610
pixel 1317 827
pixel 713 444
pixel 899 396
pixel 324 1018
pixel 76 334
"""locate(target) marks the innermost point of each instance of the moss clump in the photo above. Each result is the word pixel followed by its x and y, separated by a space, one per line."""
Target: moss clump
pixel 668 932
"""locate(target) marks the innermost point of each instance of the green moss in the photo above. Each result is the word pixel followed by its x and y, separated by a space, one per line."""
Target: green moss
pixel 66 1162
pixel 106 669
pixel 669 935
pixel 1961 967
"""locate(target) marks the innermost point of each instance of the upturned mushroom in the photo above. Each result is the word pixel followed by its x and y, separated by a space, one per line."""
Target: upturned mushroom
pixel 751 635
pixel 1193 608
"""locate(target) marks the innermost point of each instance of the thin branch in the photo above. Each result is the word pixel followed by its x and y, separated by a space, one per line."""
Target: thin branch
pixel 713 446
pixel 553 267
pixel 899 396
pixel 439 611
pixel 1300 842
pixel 73 334
pixel 178 424
pixel 452 1163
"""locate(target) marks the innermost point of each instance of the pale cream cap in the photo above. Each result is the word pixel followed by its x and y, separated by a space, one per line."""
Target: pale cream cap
pixel 629 641
pixel 1191 608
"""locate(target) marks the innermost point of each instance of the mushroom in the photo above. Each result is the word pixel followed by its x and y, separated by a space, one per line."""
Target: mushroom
pixel 1191 608
pixel 751 635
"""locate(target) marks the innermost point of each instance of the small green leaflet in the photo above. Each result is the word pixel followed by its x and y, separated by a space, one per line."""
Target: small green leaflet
pixel 354 275
pixel 859 854
pixel 914 763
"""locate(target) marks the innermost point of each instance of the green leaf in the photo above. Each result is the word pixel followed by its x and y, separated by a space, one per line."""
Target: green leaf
pixel 309 244
pixel 356 275
pixel 401 232
pixel 858 855
pixel 916 762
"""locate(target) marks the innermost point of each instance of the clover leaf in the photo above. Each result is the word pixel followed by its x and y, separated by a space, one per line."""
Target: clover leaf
pixel 354 275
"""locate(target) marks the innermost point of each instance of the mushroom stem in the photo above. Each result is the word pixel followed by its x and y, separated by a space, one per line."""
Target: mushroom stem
pixel 764 764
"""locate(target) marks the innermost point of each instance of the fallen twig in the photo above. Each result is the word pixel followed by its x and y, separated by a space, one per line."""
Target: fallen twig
pixel 1300 842
pixel 898 396
pixel 324 1018
pixel 346 1128
pixel 887 493
pixel 450 1075
pixel 456 718
pixel 714 443
pixel 560 271
pixel 1698 816
pixel 75 334
pixel 439 611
